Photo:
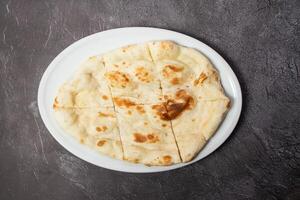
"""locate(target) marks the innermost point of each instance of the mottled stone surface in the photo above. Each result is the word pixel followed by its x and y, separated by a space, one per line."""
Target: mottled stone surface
pixel 260 40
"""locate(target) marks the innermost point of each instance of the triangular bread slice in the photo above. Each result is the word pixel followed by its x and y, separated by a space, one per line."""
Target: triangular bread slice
pixel 146 138
pixel 87 88
pixel 95 127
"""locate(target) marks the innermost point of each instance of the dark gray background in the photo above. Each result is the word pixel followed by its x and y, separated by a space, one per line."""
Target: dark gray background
pixel 259 39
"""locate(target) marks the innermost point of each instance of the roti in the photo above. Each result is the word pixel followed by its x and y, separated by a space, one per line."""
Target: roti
pixel 156 103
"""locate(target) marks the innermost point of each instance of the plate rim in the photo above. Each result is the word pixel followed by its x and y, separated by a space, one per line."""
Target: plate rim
pixel 74 45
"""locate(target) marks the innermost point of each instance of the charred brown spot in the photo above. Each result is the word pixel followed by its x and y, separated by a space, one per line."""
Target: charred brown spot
pixel 228 104
pixel 167 159
pixel 161 111
pixel 201 79
pixel 172 108
pixel 175 81
pixel 140 109
pixel 152 138
pixel 101 129
pixel 104 97
pixel 164 125
pixel 101 143
pixel 123 102
pixel 139 138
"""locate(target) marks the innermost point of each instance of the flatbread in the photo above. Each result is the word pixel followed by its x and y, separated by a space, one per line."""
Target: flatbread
pixel 146 138
pixel 131 74
pixel 156 103
pixel 87 89
pixel 96 128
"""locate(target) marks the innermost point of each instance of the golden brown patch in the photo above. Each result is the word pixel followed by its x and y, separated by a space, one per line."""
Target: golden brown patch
pixel 129 112
pixel 143 75
pixel 201 79
pixel 140 109
pixel 115 65
pixel 164 125
pixel 228 104
pixel 81 140
pixel 146 123
pixel 100 129
pixel 101 114
pixel 104 97
pixel 167 159
pixel 193 120
pixel 118 79
pixel 150 138
pixel 170 69
pixel 123 102
pixel 55 104
pixel 139 138
pixel 100 143
pixel 175 81
pixel 174 68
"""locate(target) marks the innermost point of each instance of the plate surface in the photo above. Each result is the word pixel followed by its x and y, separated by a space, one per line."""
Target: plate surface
pixel 64 65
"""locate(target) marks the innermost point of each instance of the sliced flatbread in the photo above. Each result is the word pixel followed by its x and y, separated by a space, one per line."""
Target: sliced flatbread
pixel 156 103
pixel 87 89
pixel 131 74
pixel 146 138
pixel 96 128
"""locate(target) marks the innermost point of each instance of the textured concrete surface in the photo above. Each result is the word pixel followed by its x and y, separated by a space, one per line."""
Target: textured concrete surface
pixel 260 39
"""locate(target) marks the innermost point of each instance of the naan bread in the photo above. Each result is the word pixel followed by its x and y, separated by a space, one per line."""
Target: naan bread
pixel 156 103
pixel 96 128
pixel 87 89
pixel 146 138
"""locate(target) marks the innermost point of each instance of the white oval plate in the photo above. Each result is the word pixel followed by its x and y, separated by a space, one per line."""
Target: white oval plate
pixel 63 66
